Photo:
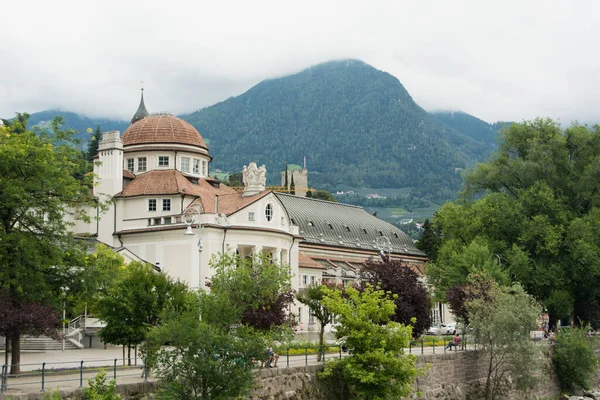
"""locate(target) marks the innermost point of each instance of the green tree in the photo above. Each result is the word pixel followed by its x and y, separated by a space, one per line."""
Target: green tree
pixel 208 357
pixel 258 287
pixel 312 296
pixel 322 195
pixel 535 205
pixel 378 368
pixel 574 359
pixel 502 327
pixel 93 144
pixel 134 304
pixel 430 241
pixel 42 181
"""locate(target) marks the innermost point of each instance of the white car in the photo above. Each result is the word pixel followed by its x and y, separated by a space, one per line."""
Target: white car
pixel 442 329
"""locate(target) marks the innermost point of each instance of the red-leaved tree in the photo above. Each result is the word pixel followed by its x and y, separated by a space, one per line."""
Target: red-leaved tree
pixel 412 299
pixel 25 318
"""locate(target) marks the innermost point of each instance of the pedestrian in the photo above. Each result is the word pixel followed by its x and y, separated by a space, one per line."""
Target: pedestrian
pixel 454 343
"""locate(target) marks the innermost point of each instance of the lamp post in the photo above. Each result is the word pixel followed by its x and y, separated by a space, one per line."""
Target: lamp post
pixel 191 216
pixel 384 244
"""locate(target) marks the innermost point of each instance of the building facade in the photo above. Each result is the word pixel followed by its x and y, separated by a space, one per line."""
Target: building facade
pixel 166 210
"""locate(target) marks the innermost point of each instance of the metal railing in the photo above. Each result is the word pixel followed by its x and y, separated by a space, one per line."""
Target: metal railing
pixel 46 374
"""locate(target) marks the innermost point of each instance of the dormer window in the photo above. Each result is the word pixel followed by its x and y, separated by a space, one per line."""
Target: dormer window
pixel 347 228
pixel 329 225
pixel 163 161
pixel 269 212
pixel 310 223
pixel 380 233
pixel 365 231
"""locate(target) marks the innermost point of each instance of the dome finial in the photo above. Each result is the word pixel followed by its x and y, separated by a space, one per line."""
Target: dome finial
pixel 141 112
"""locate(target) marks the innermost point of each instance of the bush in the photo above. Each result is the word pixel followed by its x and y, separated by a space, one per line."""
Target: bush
pixel 574 359
pixel 99 389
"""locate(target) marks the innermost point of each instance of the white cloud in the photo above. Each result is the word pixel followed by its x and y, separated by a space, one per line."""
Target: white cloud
pixel 507 60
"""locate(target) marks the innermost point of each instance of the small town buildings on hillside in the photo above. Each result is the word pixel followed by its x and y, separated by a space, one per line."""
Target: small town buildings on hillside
pixel 168 211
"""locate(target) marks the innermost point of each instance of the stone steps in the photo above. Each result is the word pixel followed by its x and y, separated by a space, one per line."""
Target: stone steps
pixel 43 343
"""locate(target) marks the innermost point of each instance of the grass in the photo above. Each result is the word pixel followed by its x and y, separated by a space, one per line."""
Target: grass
pixel 395 211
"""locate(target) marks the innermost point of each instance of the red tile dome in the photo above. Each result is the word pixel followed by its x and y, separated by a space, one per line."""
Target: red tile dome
pixel 162 129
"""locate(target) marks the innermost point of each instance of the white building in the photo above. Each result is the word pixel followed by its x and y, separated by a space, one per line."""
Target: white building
pixel 159 169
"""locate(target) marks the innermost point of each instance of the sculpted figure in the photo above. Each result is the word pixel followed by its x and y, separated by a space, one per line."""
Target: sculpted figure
pixel 262 176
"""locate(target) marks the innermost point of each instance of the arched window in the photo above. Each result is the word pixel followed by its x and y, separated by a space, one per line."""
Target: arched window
pixel 269 212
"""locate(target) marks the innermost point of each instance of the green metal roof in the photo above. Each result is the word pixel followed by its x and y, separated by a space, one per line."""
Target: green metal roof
pixel 342 225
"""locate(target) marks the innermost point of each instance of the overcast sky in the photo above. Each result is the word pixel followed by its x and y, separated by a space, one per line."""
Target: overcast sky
pixel 498 60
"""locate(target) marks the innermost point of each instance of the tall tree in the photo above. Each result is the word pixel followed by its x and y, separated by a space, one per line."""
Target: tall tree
pixel 502 322
pixel 410 295
pixel 134 304
pixel 257 286
pixel 312 296
pixel 42 181
pixel 535 206
pixel 430 241
pixel 93 144
pixel 378 368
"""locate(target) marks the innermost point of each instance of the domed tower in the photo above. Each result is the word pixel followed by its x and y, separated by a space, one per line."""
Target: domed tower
pixel 163 141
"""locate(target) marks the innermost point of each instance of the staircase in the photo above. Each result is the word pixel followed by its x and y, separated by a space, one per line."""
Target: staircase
pixel 43 343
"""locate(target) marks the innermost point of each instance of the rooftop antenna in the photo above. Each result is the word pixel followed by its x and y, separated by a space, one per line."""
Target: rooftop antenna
pixel 304 162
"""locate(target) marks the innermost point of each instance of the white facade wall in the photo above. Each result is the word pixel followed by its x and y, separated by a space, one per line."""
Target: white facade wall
pixel 175 160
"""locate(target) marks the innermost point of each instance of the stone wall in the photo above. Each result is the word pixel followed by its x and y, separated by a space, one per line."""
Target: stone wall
pixel 450 376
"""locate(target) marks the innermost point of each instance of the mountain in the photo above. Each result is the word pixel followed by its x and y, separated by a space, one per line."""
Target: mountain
pixel 356 125
pixel 471 126
pixel 77 122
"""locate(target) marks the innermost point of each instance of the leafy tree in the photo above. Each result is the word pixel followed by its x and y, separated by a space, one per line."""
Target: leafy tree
pixel 42 180
pixel 535 206
pixel 312 296
pixel 479 286
pixel 430 241
pixel 502 331
pixel 93 144
pixel 205 360
pixel 321 195
pixel 258 287
pixel 377 367
pixel 134 304
pixel 574 359
pixel 25 318
pixel 410 295
pixel 235 180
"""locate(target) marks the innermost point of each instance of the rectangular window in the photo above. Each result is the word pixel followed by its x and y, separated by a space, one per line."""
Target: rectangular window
pixel 166 204
pixel 312 279
pixel 163 161
pixel 300 315
pixel 168 220
pixel 305 279
pixel 251 216
pixel 141 164
pixel 204 167
pixel 196 169
pixel 130 164
pixel 185 164
pixel 311 316
pixel 151 204
pixel 156 221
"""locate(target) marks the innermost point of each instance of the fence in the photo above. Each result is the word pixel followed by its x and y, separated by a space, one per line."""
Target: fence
pixel 72 374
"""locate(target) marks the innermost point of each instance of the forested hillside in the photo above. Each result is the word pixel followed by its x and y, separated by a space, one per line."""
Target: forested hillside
pixel 356 125
pixel 471 126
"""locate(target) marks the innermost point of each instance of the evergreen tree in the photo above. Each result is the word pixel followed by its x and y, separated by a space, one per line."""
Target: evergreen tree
pixel 430 241
pixel 93 144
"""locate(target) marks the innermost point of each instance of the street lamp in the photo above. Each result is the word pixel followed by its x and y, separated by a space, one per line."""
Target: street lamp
pixel 190 217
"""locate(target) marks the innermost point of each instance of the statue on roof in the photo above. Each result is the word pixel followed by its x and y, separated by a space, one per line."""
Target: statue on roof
pixel 254 179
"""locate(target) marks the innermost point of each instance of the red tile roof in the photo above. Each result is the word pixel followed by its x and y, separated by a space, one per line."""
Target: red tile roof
pixel 162 129
pixel 174 182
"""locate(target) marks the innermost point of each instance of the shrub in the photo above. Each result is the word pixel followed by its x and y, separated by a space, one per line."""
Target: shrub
pixel 99 389
pixel 574 359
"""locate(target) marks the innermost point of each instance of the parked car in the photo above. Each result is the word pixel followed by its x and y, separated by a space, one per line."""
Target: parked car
pixel 442 329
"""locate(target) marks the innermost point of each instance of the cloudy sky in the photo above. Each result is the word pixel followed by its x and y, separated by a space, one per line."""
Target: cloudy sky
pixel 498 60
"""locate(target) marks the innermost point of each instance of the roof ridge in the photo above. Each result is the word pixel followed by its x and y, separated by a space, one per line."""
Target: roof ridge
pixel 319 200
